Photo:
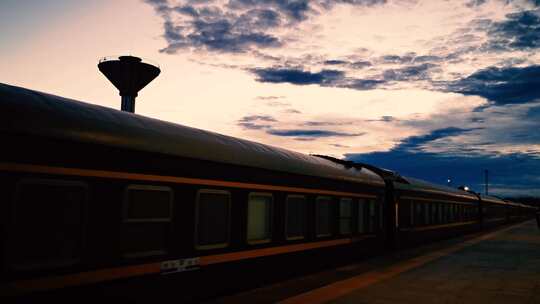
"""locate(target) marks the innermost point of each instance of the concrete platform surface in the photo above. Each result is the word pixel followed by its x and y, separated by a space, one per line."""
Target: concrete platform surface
pixel 502 266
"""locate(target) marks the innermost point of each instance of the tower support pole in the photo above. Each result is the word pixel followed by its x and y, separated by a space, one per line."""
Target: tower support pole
pixel 128 104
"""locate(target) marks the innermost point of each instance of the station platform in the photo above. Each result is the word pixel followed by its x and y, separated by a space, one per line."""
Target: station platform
pixel 501 266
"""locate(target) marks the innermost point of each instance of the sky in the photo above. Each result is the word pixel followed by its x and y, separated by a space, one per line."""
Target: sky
pixel 433 89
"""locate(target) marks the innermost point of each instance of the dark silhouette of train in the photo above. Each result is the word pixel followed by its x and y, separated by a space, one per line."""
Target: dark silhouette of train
pixel 99 202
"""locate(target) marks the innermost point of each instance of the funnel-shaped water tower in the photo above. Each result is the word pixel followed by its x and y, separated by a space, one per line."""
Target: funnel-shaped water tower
pixel 129 75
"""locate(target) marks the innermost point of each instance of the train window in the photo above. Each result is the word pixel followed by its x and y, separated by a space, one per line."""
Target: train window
pixel 213 219
pixel 372 216
pixel 147 203
pixel 147 217
pixel 345 215
pixel 47 227
pixel 324 216
pixel 361 225
pixel 259 224
pixel 295 214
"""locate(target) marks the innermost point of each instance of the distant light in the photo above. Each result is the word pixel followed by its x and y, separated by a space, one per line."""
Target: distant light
pixel 466 188
pixel 449 181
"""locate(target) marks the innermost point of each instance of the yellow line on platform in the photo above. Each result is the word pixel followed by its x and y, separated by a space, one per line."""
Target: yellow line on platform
pixel 339 289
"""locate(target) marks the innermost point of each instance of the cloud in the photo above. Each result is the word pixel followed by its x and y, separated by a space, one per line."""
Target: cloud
pixel 328 123
pixel 293 111
pixel 310 133
pixel 236 26
pixel 364 84
pixel 325 78
pixel 338 78
pixel 361 64
pixel 335 62
pixel 427 58
pixel 407 58
pixel 253 126
pixel 268 123
pixel 384 118
pixel 492 130
pixel 408 73
pixel 295 10
pixel 473 3
pixel 219 35
pixel 157 2
pixel 297 76
pixel 414 143
pixel 505 85
pixel 266 118
pixel 521 30
pixel 511 173
pixel 256 122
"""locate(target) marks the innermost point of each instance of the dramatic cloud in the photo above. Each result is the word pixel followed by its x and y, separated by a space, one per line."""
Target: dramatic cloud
pixel 295 76
pixel 410 73
pixel 510 173
pixel 502 85
pixel 415 142
pixel 432 83
pixel 236 26
pixel 519 31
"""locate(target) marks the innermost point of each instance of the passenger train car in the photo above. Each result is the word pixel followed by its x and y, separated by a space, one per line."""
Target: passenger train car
pixel 95 199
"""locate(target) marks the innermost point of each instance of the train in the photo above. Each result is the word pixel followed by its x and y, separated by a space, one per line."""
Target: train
pixel 99 202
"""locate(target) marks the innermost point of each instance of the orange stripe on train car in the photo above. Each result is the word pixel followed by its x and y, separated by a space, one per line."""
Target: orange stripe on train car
pixel 161 178
pixel 81 278
pixel 434 227
pixel 235 256
pixel 90 277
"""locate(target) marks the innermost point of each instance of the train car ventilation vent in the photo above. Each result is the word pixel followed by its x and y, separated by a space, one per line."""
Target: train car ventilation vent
pixel 384 174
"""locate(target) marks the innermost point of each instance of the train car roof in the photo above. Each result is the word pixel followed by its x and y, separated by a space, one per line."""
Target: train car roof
pixel 29 112
pixel 512 203
pixel 418 185
pixel 494 200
